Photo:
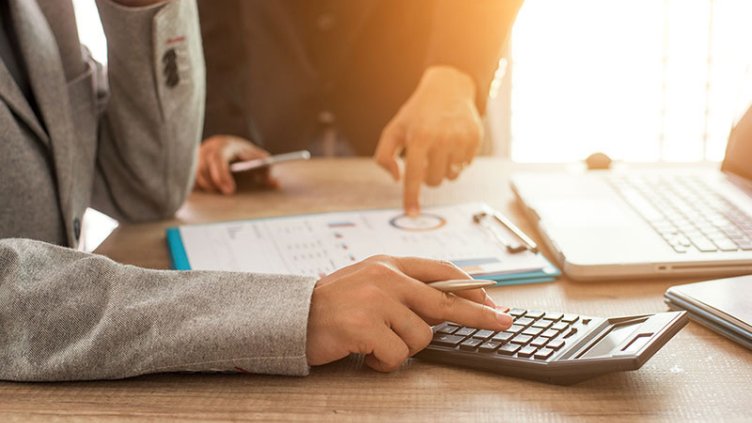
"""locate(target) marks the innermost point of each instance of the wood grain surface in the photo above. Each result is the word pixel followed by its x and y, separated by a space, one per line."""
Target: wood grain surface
pixel 697 376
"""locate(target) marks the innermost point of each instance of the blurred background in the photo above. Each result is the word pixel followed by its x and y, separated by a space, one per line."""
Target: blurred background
pixel 641 80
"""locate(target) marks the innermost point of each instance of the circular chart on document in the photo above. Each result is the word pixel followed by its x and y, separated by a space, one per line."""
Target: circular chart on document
pixel 422 222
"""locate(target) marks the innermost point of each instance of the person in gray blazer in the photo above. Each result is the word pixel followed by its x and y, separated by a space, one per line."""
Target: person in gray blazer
pixel 343 77
pixel 125 142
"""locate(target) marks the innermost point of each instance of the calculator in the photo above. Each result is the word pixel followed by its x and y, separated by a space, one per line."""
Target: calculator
pixel 553 347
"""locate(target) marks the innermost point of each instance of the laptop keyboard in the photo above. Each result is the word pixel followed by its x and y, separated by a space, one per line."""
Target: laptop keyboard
pixel 687 213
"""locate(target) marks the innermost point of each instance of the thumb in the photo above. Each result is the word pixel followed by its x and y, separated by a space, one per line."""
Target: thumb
pixel 250 152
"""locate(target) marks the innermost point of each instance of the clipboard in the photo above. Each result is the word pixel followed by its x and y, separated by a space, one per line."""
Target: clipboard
pixel 318 244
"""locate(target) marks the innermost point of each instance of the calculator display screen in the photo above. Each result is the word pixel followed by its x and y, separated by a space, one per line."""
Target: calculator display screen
pixel 615 337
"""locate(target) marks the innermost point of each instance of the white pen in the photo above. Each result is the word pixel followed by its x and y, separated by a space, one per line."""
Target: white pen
pixel 270 160
pixel 461 284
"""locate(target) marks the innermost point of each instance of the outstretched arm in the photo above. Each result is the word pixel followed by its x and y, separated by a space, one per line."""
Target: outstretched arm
pixel 66 315
pixel 439 127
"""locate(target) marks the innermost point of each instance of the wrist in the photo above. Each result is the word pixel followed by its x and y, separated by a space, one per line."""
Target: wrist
pixel 450 77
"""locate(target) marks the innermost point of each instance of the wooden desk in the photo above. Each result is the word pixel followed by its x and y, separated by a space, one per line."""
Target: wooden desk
pixel 697 376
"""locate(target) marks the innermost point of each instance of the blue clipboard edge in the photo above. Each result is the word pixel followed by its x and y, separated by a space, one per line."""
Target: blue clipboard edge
pixel 178 256
pixel 548 274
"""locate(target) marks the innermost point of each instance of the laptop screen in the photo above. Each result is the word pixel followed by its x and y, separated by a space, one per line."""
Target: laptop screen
pixel 739 149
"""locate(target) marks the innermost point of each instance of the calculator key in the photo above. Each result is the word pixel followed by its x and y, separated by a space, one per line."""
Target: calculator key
pixel 508 349
pixel 483 334
pixel 539 341
pixel 489 346
pixel 527 351
pixel 465 332
pixel 550 333
pixel 470 344
pixel 447 340
pixel 535 314
pixel 570 318
pixel 544 353
pixel 560 326
pixel 571 332
pixel 521 339
pixel 516 312
pixel 515 329
pixel 532 331
pixel 523 321
pixel 555 344
pixel 553 316
pixel 447 329
pixel 543 324
pixel 502 337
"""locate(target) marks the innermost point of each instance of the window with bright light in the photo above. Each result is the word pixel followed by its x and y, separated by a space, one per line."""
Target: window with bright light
pixel 641 80
pixel 90 29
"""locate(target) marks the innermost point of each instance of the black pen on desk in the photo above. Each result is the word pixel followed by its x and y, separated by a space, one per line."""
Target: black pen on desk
pixel 461 285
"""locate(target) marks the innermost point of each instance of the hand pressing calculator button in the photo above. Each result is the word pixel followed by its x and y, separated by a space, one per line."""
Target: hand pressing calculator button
pixel 555 347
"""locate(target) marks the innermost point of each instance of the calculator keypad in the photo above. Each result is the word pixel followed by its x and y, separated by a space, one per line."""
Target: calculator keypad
pixel 534 335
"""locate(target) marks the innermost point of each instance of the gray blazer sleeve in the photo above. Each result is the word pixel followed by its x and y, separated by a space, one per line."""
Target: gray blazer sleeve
pixel 66 315
pixel 153 110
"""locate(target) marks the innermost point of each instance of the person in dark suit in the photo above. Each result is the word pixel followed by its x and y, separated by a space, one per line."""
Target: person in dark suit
pixel 341 77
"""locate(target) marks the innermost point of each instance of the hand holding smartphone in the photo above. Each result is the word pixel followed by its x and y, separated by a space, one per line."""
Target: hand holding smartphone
pixel 268 161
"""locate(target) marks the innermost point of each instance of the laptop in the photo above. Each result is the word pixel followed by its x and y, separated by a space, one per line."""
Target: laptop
pixel 630 223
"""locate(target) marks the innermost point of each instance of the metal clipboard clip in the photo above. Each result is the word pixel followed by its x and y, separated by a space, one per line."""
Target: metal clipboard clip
pixel 513 246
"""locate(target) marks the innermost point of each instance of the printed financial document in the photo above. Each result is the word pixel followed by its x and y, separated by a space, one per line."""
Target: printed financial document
pixel 318 244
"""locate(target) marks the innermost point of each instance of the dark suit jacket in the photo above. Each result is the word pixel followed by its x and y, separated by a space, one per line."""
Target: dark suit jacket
pixel 274 66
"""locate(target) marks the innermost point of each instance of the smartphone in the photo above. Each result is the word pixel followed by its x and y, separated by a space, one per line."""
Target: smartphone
pixel 268 161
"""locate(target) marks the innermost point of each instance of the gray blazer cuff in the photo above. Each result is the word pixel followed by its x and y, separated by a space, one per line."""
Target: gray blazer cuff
pixel 256 323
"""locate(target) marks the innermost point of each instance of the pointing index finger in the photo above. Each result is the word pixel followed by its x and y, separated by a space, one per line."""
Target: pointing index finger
pixel 415 168
pixel 388 149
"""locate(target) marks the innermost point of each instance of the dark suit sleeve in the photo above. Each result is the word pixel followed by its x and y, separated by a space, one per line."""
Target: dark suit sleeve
pixel 469 36
pixel 222 33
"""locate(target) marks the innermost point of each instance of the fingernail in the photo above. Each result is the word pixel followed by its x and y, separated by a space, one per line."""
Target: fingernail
pixel 504 319
pixel 413 211
pixel 490 302
pixel 502 309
